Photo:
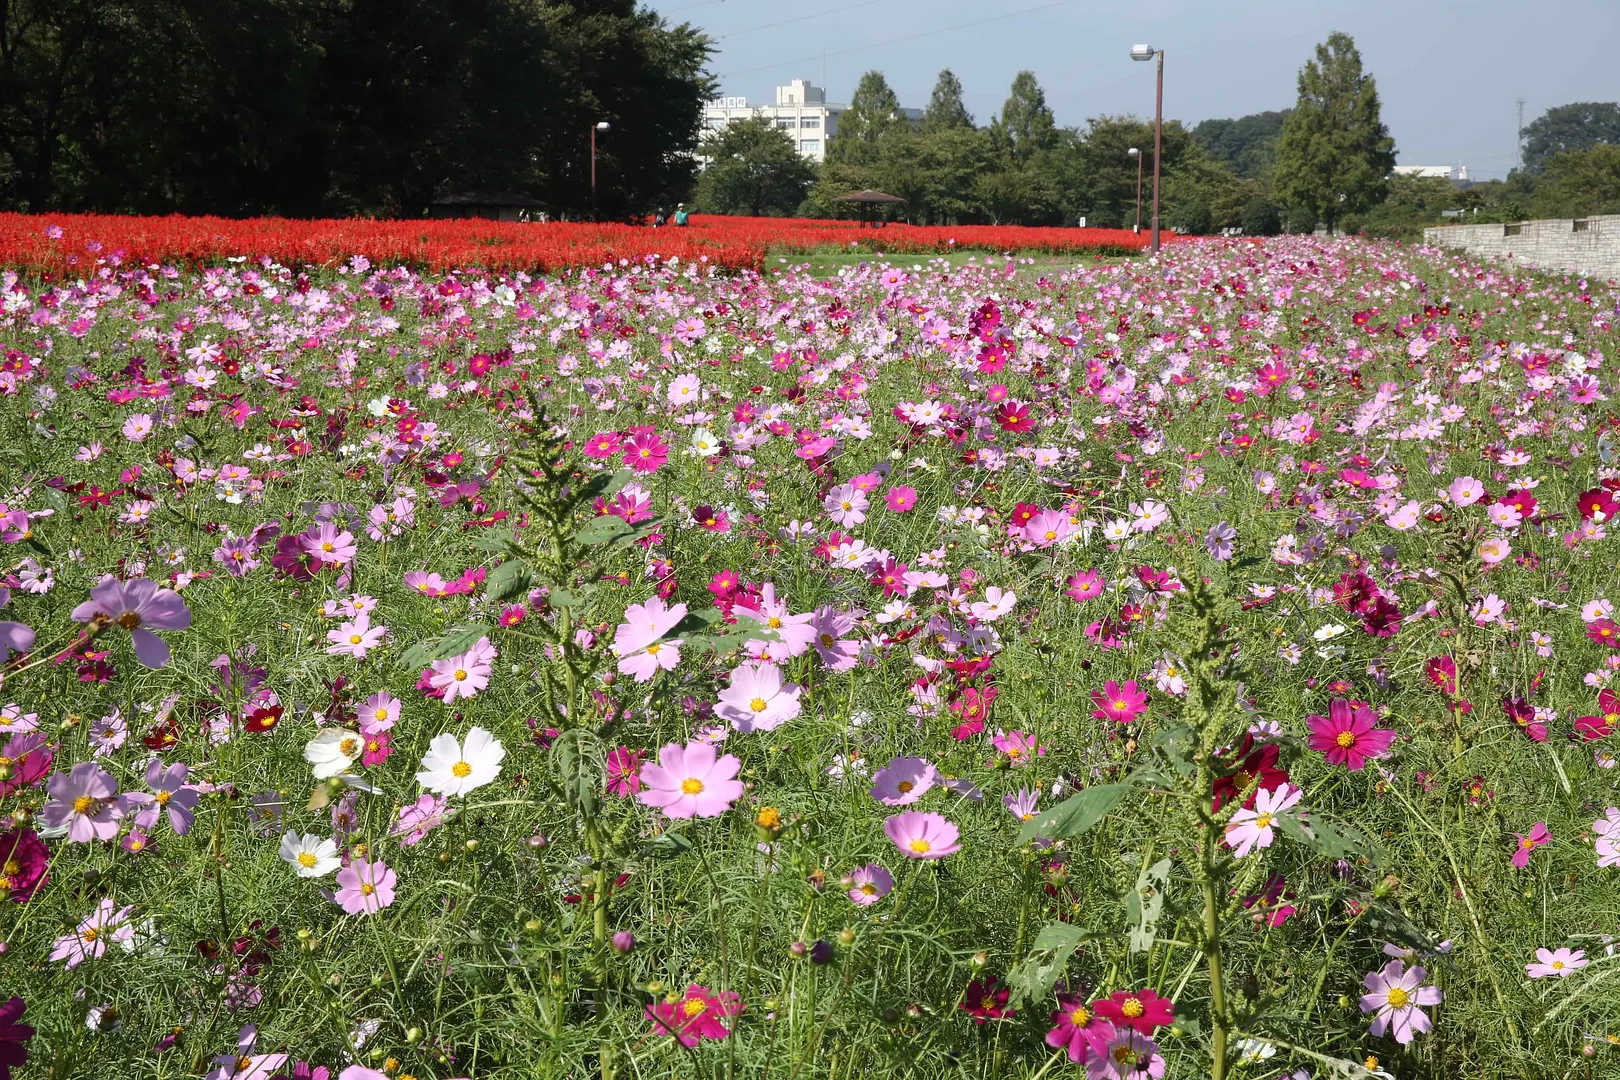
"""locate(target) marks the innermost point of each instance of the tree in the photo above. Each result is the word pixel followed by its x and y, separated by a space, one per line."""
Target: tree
pixel 1261 217
pixel 754 168
pixel 306 107
pixel 1580 126
pixel 1247 145
pixel 1335 154
pixel 1187 176
pixel 946 110
pixel 1026 124
pixel 1579 182
pixel 873 112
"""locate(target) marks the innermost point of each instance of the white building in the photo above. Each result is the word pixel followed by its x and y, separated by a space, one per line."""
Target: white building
pixel 1457 174
pixel 802 110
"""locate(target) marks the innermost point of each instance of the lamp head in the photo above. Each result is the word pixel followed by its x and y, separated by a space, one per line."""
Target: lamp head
pixel 1143 52
pixel 603 126
pixel 1133 151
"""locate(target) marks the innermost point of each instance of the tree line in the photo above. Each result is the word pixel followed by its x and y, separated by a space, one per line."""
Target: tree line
pixel 343 107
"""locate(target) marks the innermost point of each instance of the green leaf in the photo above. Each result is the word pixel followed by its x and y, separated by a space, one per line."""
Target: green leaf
pixel 668 845
pixel 1145 903
pixel 457 639
pixel 496 543
pixel 54 499
pixel 1032 979
pixel 1330 841
pixel 606 485
pixel 602 529
pixel 1074 815
pixel 508 580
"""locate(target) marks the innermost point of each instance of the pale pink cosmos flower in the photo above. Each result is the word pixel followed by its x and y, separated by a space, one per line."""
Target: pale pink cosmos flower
pixel 245 1064
pixel 1504 515
pixel 1465 491
pixel 1047 528
pixel 1250 830
pixel 365 887
pixel 1607 831
pixel 464 675
pixel 1560 962
pixel 921 835
pixel 792 634
pixel 89 939
pixel 379 713
pixel 846 505
pixel 638 640
pixel 1395 995
pixel 996 603
pixel 903 781
pixel 836 651
pixel 421 817
pixel 871 883
pixel 1406 517
pixel 140 607
pixel 329 544
pixel 85 801
pixel 138 427
pixel 1493 549
pixel 690 781
pixel 355 638
pixel 757 699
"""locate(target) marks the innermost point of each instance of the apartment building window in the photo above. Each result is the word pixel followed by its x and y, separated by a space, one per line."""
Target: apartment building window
pixel 784 121
pixel 810 122
pixel 810 146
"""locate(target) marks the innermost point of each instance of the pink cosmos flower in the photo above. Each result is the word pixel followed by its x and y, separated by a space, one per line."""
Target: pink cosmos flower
pixel 1465 491
pixel 86 802
pixel 846 505
pixel 1122 702
pixel 328 543
pixel 871 883
pixel 696 1016
pixel 1349 735
pixel 1606 829
pixel 623 772
pixel 757 699
pixel 1250 830
pixel 645 452
pixel 24 860
pixel 379 713
pixel 900 498
pixel 602 445
pixel 1077 1029
pixel 903 781
pixel 355 638
pixel 245 1064
pixel 1129 1055
pixel 689 781
pixel 28 757
pixel 418 819
pixel 107 923
pixel 140 607
pixel 428 584
pixel 921 835
pixel 829 625
pixel 1084 586
pixel 1019 746
pixel 1528 842
pixel 1047 528
pixel 464 675
pixel 1560 962
pixel 1395 994
pixel 170 793
pixel 138 427
pixel 365 887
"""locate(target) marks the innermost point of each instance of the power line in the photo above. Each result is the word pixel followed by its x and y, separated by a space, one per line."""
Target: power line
pixel 799 18
pixel 899 40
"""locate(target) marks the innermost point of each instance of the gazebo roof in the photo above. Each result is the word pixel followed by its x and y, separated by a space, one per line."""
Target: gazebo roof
pixel 868 196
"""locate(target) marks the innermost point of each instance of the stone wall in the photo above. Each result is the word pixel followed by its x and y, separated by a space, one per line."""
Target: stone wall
pixel 1588 246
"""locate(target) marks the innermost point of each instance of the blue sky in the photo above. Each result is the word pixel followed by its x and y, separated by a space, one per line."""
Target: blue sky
pixel 1448 71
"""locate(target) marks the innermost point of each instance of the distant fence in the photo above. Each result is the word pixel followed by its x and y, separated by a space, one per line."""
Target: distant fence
pixel 1588 245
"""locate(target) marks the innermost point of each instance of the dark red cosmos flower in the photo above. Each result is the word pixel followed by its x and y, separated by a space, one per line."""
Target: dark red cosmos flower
pixel 1251 762
pixel 984 1000
pixel 1441 671
pixel 973 706
pixel 1596 727
pixel 1383 619
pixel 1142 1010
pixel 1014 416
pixel 1521 712
pixel 1597 505
pixel 13 1037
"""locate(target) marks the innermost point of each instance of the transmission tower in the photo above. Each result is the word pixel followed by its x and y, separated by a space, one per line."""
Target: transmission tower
pixel 1518 139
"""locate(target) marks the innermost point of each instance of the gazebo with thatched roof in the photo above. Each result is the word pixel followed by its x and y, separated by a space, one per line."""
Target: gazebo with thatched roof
pixel 867 200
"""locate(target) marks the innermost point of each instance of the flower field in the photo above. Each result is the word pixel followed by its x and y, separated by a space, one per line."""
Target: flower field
pixel 1181 668
pixel 75 245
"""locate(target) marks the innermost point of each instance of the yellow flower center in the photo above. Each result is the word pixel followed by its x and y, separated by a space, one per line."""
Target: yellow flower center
pixel 1398 997
pixel 1132 1008
pixel 349 746
pixel 1263 821
pixel 367 888
pixel 1558 965
pixel 1346 738
pixel 1080 1017
pixel 691 785
pixel 774 623
pixel 461 674
pixel 306 859
pixel 82 804
pixel 163 797
pixel 380 714
pixel 868 889
pixel 1121 706
pixel 652 650
pixel 694 1007
pixel 461 769
pixel 1527 843
pixel 355 639
pixel 758 704
pixel 90 933
pixel 920 846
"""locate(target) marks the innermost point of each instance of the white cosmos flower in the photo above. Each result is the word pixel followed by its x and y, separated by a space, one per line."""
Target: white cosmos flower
pixel 451 767
pixel 705 443
pixel 333 751
pixel 310 856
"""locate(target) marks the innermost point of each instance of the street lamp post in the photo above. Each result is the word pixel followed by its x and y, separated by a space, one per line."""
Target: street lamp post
pixel 1137 154
pixel 604 127
pixel 1148 52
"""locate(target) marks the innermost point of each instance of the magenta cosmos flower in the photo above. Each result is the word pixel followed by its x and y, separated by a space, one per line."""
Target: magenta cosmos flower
pixel 1348 735
pixel 1394 995
pixel 14 1036
pixel 922 836
pixel 365 887
pixel 140 607
pixel 1119 701
pixel 1077 1029
pixel 900 498
pixel 689 781
pixel 697 1015
pixel 1528 842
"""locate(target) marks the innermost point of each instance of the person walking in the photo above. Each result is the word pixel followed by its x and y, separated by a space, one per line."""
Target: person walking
pixel 659 218
pixel 681 217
